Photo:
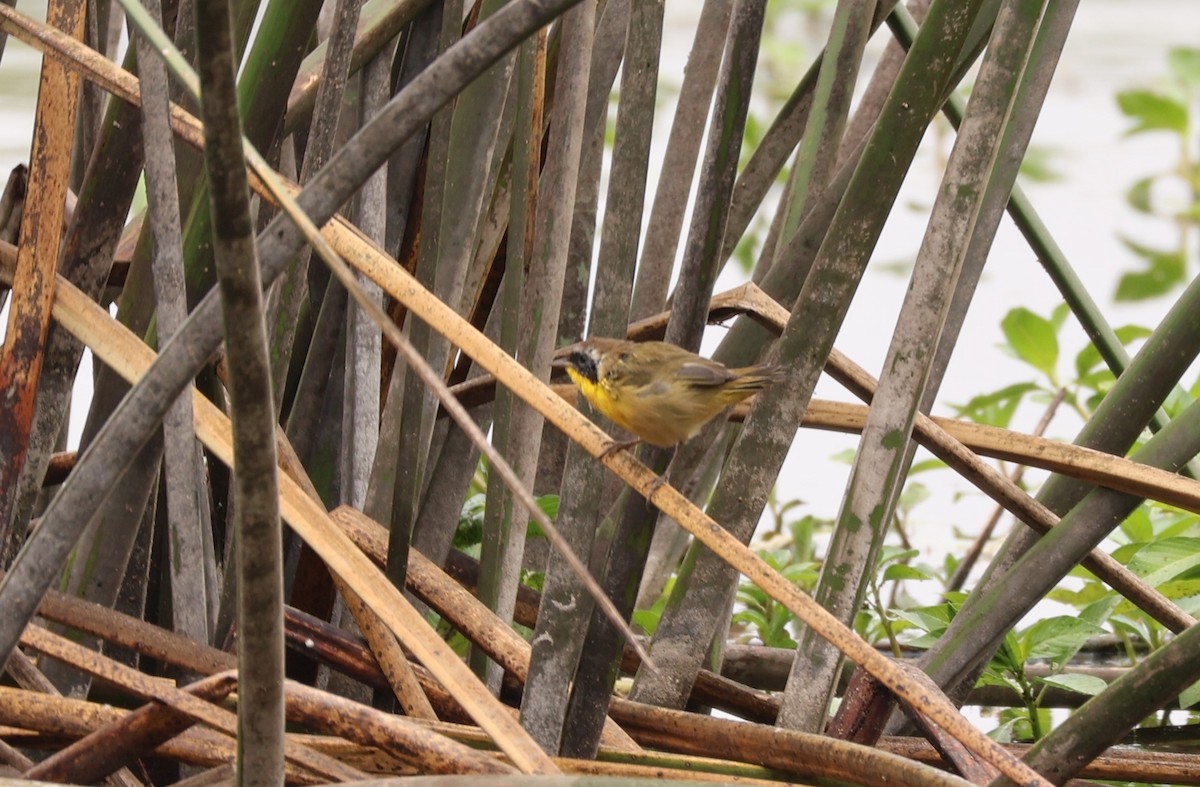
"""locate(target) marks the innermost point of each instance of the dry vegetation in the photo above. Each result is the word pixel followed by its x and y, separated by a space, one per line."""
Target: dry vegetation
pixel 248 570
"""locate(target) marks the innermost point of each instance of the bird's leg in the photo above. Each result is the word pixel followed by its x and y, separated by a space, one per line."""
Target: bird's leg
pixel 618 445
pixel 657 483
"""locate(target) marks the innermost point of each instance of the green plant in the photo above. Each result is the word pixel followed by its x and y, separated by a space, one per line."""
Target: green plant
pixel 757 615
pixel 1169 109
pixel 1159 544
pixel 894 566
pixel 1034 340
pixel 795 555
pixel 469 533
pixel 647 619
pixel 1054 640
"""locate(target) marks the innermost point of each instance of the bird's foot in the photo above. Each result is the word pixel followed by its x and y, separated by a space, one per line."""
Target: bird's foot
pixel 656 485
pixel 617 445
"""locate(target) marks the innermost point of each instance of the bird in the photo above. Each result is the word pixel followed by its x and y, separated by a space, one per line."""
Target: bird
pixel 661 393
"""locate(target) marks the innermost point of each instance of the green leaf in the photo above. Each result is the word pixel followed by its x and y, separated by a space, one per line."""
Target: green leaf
pixel 923 642
pixel 754 131
pixel 751 618
pixel 648 619
pixel 898 571
pixel 1058 637
pixel 913 495
pixel 890 553
pixel 1098 611
pixel 1099 382
pixel 746 251
pixel 950 564
pixel 1177 401
pixel 900 267
pixel 458 643
pixel 925 466
pixel 1179 523
pixel 1138 195
pixel 845 456
pixel 1185 65
pixel 1088 594
pixel 469 533
pixel 1011 655
pixel 1089 357
pixel 775 558
pixel 473 507
pixel 992 677
pixel 1038 164
pixel 1138 528
pixel 1004 733
pixel 1165 560
pixel 1179 590
pixel 1032 338
pixel 549 506
pixel 1153 111
pixel 1059 315
pixel 751 595
pixel 996 408
pixel 803 574
pixel 1165 270
pixel 1080 684
pixel 1189 696
pixel 932 620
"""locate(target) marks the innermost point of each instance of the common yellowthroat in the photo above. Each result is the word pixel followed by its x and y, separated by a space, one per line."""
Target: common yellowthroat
pixel 661 393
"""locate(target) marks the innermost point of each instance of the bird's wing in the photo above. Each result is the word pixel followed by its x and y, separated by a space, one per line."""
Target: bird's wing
pixel 638 376
pixel 703 374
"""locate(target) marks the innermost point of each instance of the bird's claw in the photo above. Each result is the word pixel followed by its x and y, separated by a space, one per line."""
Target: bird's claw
pixel 617 445
pixel 656 485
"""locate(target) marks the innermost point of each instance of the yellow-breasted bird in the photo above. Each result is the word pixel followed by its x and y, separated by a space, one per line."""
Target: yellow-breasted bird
pixel 661 393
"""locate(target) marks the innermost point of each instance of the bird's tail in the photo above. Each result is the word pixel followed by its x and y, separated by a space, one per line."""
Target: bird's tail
pixel 751 379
